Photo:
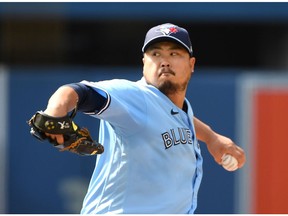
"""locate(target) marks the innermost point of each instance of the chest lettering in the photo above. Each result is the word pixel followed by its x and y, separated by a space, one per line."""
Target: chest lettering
pixel 176 137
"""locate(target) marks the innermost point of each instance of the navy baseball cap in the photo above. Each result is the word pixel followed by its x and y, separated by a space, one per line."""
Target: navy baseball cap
pixel 168 32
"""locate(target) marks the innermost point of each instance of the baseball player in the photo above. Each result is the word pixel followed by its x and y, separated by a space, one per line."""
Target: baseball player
pixel 152 161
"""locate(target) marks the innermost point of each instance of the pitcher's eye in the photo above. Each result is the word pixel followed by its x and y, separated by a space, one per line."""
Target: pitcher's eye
pixel 156 54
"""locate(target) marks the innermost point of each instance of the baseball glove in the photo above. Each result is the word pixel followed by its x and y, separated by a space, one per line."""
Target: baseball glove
pixel 76 140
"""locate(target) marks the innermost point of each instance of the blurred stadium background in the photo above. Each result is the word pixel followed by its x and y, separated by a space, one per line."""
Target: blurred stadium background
pixel 240 88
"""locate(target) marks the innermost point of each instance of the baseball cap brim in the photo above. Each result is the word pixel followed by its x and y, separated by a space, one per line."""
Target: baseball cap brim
pixel 163 39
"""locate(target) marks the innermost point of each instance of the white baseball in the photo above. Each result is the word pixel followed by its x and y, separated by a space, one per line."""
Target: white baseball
pixel 229 162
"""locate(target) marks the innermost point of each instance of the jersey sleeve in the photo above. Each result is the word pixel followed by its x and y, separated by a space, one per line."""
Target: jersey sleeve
pixel 89 99
pixel 125 107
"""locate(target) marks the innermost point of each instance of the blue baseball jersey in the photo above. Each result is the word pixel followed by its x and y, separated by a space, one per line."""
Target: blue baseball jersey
pixel 152 161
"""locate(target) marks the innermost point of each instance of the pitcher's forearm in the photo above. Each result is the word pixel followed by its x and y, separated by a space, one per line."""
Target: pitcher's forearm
pixel 204 133
pixel 62 101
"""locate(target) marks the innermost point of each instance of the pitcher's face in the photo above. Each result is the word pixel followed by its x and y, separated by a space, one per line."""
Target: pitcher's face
pixel 168 66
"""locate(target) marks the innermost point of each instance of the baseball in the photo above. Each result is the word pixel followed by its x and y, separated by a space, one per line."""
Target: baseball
pixel 229 162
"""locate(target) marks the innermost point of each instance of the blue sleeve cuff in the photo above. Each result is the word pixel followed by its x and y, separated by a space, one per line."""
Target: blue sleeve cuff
pixel 89 99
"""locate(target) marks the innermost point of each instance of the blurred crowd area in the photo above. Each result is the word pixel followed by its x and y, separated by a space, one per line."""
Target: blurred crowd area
pixel 244 35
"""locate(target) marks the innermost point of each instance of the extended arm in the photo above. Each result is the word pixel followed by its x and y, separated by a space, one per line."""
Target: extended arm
pixel 67 97
pixel 218 144
pixel 62 101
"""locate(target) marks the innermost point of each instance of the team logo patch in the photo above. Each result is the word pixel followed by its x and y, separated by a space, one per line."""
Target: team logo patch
pixel 168 29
